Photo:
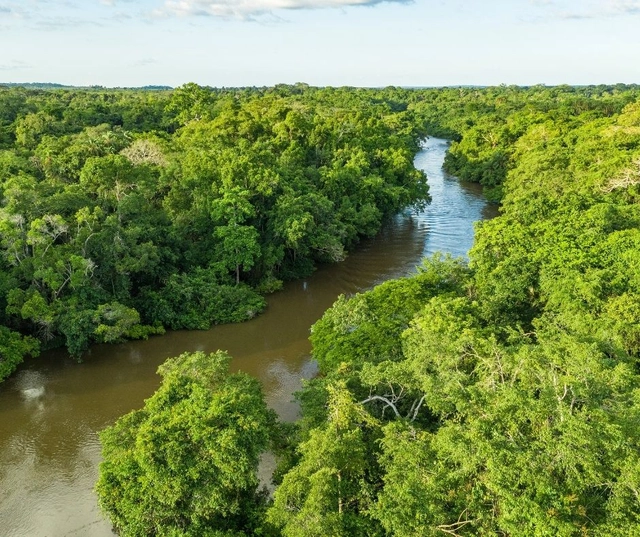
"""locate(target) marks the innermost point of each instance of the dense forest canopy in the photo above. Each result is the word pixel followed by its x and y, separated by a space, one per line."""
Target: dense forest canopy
pixel 127 212
pixel 495 397
pixel 502 397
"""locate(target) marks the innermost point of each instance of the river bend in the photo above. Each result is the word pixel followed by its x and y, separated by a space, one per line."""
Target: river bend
pixel 52 409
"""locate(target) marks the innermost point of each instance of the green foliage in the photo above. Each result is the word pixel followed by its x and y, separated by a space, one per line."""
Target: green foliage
pixel 366 328
pixel 13 348
pixel 161 201
pixel 500 398
pixel 78 329
pixel 531 436
pixel 329 490
pixel 486 123
pixel 186 464
pixel 505 397
pixel 114 321
pixel 196 301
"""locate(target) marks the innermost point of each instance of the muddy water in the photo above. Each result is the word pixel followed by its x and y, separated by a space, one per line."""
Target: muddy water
pixel 51 410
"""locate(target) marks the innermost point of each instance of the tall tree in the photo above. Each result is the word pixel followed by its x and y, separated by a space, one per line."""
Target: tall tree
pixel 186 464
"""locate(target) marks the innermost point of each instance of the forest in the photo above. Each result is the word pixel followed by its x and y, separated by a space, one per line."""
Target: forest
pixel 498 396
pixel 126 213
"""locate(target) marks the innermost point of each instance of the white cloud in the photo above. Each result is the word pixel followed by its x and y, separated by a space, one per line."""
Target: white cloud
pixel 15 65
pixel 112 3
pixel 54 14
pixel 143 62
pixel 53 24
pixel 588 9
pixel 248 8
pixel 624 7
pixel 11 9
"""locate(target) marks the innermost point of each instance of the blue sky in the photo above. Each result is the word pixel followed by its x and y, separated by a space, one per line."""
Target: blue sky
pixel 320 42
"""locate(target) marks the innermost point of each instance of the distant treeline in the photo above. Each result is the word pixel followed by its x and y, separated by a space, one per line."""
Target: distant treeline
pixel 55 86
pixel 125 212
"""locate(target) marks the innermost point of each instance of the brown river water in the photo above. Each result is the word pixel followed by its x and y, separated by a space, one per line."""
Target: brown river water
pixel 52 409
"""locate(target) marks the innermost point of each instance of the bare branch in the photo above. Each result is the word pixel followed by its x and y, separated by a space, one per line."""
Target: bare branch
pixel 452 529
pixel 384 400
pixel 415 412
pixel 628 177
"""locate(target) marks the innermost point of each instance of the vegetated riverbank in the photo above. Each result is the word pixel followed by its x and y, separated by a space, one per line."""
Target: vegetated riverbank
pixel 126 213
pixel 50 439
pixel 523 318
pixel 502 397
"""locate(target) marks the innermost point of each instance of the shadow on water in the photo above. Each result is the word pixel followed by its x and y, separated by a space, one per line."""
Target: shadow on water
pixel 51 410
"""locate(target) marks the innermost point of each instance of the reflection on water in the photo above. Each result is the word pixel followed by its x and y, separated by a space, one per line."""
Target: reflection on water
pixel 51 410
pixel 455 206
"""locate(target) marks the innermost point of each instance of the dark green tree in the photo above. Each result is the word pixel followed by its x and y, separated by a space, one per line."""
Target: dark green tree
pixel 186 464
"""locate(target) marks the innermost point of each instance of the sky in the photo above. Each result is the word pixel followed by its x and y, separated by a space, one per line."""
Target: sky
pixel 127 43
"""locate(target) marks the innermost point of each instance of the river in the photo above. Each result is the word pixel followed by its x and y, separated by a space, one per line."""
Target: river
pixel 52 408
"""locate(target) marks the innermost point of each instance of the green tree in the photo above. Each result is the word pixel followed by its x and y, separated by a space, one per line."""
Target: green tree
pixel 238 245
pixel 330 489
pixel 13 348
pixel 186 464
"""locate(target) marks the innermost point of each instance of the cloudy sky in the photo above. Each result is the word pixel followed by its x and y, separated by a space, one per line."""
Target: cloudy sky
pixel 320 42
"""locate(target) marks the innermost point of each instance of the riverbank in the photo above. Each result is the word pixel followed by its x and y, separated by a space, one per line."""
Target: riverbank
pixel 53 407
